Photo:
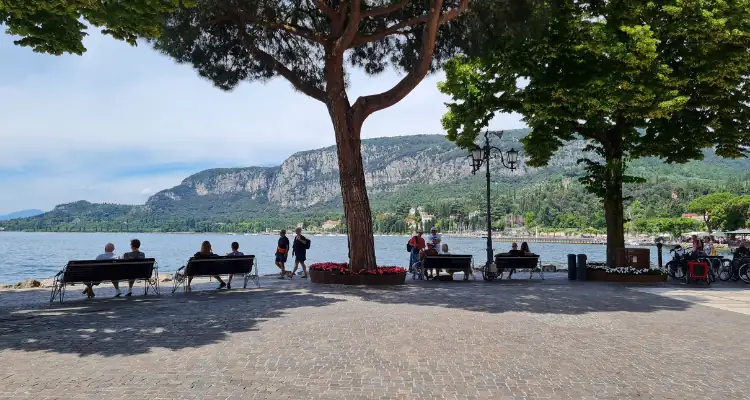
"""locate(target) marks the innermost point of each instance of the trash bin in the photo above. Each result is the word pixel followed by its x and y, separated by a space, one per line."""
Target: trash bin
pixel 581 267
pixel 571 267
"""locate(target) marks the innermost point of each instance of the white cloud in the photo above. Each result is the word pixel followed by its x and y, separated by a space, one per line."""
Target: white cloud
pixel 72 127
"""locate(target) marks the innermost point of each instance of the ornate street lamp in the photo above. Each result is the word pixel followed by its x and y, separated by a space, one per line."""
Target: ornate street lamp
pixel 481 155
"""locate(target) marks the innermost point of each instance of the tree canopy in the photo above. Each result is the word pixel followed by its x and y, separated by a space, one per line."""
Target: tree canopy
pixel 633 77
pixel 59 26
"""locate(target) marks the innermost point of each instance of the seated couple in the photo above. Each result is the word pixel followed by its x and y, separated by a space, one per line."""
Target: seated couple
pixel 430 251
pixel 109 254
pixel 206 252
pixel 515 252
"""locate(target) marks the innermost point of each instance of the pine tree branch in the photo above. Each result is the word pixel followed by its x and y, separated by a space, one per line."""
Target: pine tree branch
pixel 366 105
pixel 327 10
pixel 376 12
pixel 280 68
pixel 352 26
pixel 360 40
pixel 294 29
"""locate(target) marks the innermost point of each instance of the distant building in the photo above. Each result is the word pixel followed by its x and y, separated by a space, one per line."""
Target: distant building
pixel 514 220
pixel 301 225
pixel 330 224
pixel 693 216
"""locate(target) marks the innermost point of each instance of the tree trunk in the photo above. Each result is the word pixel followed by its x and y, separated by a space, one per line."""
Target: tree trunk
pixel 356 202
pixel 613 208
pixel 351 171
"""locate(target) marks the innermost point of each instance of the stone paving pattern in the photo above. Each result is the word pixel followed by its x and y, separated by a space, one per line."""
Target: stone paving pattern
pixel 429 340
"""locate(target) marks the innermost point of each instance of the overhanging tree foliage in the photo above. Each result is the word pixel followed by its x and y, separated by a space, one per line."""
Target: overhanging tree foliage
pixel 307 42
pixel 632 77
pixel 707 204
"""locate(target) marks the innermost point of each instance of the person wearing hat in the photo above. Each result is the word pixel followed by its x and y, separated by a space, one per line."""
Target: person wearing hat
pixel 416 244
pixel 434 238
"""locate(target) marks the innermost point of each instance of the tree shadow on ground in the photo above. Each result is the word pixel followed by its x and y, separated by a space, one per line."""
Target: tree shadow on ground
pixel 520 296
pixel 139 324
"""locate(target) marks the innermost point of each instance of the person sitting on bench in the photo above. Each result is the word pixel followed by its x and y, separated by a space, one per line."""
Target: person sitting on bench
pixel 205 252
pixel 525 249
pixel 514 252
pixel 109 254
pixel 235 253
pixel 429 252
pixel 134 254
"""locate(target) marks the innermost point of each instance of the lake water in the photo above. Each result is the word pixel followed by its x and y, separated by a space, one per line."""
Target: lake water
pixel 42 255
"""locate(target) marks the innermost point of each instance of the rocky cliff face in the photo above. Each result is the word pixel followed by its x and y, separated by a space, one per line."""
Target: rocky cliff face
pixel 310 178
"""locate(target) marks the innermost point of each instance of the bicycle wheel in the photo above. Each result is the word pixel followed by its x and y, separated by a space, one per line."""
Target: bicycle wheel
pixel 745 273
pixel 726 270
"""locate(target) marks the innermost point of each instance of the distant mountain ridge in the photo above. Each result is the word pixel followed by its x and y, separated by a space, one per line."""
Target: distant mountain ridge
pixel 21 214
pixel 408 170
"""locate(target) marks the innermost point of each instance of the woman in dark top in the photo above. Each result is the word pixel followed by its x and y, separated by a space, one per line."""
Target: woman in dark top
pixel 525 249
pixel 206 252
pixel 282 251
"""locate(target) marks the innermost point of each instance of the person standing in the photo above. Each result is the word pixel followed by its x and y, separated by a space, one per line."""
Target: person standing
pixel 434 238
pixel 234 253
pixel 282 251
pixel 416 244
pixel 299 251
pixel 135 253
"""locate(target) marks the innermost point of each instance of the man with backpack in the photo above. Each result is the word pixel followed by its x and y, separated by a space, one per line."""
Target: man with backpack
pixel 299 251
pixel 414 246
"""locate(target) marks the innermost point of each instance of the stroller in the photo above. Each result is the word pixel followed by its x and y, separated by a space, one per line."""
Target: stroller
pixel 686 266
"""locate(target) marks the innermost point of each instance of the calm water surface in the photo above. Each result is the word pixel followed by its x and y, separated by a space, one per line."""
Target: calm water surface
pixel 41 255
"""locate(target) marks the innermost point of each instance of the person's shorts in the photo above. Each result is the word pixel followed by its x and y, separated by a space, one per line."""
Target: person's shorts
pixel 281 257
pixel 300 257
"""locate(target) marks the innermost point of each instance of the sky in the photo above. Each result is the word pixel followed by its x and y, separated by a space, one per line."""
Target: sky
pixel 121 123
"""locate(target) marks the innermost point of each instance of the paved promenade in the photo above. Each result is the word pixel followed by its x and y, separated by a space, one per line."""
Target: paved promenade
pixel 436 340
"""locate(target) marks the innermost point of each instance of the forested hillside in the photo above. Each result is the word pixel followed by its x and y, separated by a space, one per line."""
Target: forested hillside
pixel 403 173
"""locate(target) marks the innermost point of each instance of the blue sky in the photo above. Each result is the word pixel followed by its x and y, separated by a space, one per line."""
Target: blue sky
pixel 120 123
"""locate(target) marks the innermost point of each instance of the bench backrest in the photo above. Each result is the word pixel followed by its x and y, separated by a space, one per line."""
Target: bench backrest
pixel 108 270
pixel 447 261
pixel 517 262
pixel 220 265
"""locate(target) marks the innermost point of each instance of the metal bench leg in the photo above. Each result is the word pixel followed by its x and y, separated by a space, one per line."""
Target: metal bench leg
pixel 56 291
pixel 177 280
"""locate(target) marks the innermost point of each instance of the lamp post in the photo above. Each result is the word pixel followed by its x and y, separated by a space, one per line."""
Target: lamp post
pixel 481 155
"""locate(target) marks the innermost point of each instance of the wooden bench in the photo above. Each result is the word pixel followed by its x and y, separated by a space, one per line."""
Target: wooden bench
pixel 503 262
pixel 448 263
pixel 225 265
pixel 96 271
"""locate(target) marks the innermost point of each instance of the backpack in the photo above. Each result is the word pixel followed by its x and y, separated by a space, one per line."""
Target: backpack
pixel 307 245
pixel 409 247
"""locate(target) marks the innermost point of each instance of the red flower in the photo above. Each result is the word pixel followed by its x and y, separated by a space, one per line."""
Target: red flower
pixel 343 269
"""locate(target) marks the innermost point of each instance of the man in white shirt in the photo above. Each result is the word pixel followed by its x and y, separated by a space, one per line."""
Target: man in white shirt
pixel 109 253
pixel 434 238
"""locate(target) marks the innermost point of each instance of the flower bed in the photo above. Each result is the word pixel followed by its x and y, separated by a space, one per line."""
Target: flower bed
pixel 600 272
pixel 341 274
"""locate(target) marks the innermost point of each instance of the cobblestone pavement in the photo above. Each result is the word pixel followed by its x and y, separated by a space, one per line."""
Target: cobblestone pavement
pixel 429 340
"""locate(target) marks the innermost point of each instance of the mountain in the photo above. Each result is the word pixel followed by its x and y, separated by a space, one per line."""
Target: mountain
pixel 21 214
pixel 402 173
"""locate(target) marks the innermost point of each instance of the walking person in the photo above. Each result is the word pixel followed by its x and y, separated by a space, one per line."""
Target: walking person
pixel 135 253
pixel 282 251
pixel 299 251
pixel 234 253
pixel 415 245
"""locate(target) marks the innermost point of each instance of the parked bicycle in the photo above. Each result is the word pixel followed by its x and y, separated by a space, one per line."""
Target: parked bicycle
pixel 737 268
